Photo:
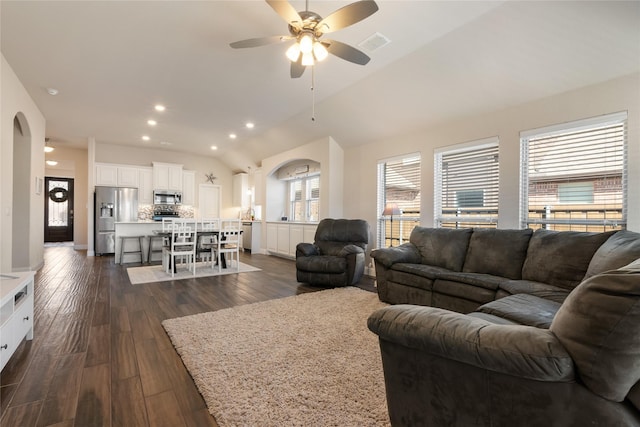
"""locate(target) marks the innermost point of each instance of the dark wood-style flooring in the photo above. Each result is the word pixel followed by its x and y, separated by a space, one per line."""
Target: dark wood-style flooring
pixel 100 356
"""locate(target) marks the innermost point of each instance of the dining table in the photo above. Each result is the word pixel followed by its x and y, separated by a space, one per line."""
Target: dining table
pixel 200 232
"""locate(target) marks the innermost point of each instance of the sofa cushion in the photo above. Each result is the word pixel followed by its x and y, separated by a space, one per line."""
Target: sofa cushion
pixel 599 325
pixel 422 270
pixel 542 290
pixel 561 258
pixel 619 250
pixel 475 279
pixel 442 247
pixel 497 252
pixel 523 309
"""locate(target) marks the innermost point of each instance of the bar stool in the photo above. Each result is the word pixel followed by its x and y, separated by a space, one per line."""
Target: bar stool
pixel 123 242
pixel 151 251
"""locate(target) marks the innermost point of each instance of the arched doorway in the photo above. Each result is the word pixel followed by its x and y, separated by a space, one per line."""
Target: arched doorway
pixel 21 193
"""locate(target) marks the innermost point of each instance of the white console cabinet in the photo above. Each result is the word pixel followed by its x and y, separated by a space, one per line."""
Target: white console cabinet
pixel 16 312
pixel 283 237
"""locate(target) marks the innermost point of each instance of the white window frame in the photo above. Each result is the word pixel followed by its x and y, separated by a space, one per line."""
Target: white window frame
pixel 305 195
pixel 484 219
pixel 405 222
pixel 549 222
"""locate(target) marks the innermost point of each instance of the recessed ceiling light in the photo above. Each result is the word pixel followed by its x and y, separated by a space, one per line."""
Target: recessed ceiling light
pixel 233 136
pixel 52 91
pixel 48 148
pixel 52 162
pixel 151 122
pixel 249 125
pixel 160 107
pixel 145 137
pixel 214 147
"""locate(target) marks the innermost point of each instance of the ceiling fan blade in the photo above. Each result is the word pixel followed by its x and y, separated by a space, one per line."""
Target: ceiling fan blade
pixel 260 41
pixel 348 15
pixel 346 52
pixel 297 69
pixel 287 12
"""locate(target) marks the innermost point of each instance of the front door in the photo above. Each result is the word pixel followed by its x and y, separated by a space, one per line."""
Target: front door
pixel 58 209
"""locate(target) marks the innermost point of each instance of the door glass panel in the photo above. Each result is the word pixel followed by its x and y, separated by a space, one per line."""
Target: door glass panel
pixel 58 203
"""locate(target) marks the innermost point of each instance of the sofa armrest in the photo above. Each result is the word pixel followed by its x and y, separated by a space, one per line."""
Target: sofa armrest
pixel 406 252
pixel 521 351
pixel 306 249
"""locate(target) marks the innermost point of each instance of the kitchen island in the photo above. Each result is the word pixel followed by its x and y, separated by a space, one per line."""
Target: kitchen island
pixel 135 228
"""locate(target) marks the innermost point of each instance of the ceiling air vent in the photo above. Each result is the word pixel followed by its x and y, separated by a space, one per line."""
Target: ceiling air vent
pixel 374 42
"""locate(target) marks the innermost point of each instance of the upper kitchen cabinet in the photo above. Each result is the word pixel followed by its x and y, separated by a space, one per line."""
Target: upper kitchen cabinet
pixel 106 175
pixel 145 189
pixel 189 188
pixel 167 176
pixel 128 177
pixel 241 195
pixel 111 175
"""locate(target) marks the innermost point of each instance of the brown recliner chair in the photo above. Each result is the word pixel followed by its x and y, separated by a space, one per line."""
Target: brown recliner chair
pixel 337 256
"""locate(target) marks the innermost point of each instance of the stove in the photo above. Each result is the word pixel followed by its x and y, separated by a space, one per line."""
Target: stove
pixel 164 211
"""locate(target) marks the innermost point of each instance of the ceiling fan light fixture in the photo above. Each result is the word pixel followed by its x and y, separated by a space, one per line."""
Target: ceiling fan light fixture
pixel 293 53
pixel 306 43
pixel 319 51
pixel 307 59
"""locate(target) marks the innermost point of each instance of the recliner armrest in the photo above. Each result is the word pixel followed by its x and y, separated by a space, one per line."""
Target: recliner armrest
pixel 306 249
pixel 351 249
pixel 521 351
pixel 406 252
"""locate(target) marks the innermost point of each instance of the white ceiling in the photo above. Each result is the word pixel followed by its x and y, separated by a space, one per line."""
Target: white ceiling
pixel 113 60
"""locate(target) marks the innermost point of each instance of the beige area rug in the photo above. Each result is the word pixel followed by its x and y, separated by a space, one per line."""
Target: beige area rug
pixel 306 360
pixel 155 273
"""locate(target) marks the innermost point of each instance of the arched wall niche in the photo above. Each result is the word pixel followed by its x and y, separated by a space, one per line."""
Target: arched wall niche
pixel 21 193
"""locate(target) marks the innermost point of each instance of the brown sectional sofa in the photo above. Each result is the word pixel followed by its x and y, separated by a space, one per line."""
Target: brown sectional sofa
pixel 551 334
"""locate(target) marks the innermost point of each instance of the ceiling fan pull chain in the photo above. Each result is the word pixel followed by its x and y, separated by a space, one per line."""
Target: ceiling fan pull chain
pixel 313 93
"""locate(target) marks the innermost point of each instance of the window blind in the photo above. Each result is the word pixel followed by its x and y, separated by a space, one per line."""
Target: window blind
pixel 575 178
pixel 467 186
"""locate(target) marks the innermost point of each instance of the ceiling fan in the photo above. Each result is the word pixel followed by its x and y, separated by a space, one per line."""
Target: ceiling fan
pixel 307 29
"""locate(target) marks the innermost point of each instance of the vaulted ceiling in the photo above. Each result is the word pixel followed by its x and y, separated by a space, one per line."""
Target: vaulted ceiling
pixel 111 61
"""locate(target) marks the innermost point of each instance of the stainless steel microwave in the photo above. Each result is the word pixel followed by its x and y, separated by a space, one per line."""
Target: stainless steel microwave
pixel 162 197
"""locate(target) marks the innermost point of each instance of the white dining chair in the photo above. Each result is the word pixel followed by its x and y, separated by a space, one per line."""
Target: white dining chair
pixel 181 246
pixel 229 243
pixel 208 240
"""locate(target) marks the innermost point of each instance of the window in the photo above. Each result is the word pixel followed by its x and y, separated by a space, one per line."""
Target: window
pixel 305 208
pixel 398 183
pixel 574 175
pixel 466 185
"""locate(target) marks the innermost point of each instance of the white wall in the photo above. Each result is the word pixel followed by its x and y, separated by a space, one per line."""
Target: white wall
pixel 621 94
pixel 15 100
pixel 331 158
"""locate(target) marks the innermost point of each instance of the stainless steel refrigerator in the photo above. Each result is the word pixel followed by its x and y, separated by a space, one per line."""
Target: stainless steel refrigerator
pixel 112 204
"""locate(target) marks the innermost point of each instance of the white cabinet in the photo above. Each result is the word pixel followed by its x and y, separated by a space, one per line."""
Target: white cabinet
pixel 272 238
pixel 283 237
pixel 295 236
pixel 258 191
pixel 209 200
pixel 145 188
pixel 128 177
pixel 241 197
pixel 309 233
pixel 189 188
pixel 16 312
pixel 113 175
pixel 106 175
pixel 167 176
